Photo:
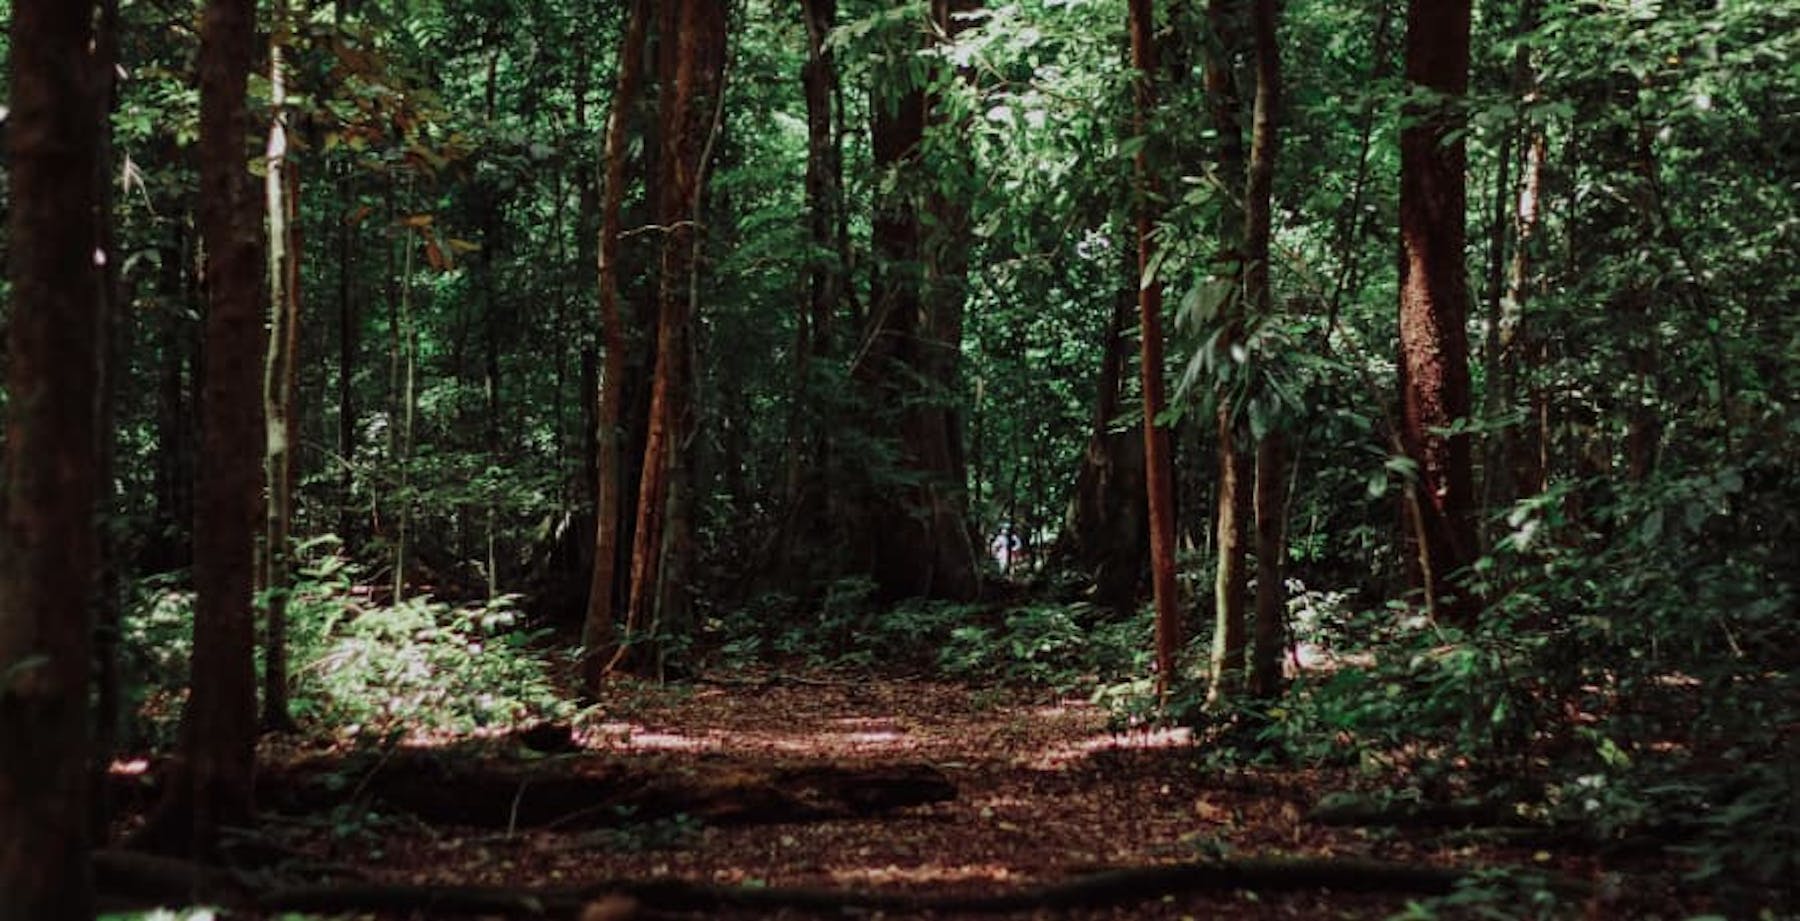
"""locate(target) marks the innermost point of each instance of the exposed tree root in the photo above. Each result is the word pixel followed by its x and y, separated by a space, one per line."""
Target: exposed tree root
pixel 578 792
pixel 154 880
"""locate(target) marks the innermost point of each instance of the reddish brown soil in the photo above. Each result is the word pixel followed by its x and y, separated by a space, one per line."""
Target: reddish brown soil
pixel 1046 793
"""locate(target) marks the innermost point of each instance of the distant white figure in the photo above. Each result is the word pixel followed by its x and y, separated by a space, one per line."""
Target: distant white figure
pixel 1005 548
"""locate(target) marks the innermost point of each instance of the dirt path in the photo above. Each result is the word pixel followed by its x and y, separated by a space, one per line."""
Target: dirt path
pixel 1045 793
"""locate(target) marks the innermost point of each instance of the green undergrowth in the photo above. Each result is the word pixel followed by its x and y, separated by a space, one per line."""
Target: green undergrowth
pixel 1062 645
pixel 359 667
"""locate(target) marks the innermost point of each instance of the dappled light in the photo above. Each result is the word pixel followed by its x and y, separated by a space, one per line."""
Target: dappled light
pixel 668 460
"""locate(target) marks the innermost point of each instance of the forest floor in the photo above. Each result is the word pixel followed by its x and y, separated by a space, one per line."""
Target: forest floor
pixel 1045 792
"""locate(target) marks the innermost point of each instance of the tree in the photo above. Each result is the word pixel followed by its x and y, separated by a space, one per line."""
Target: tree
pixel 1158 477
pixel 917 539
pixel 1271 449
pixel 49 544
pixel 1236 483
pixel 211 780
pixel 281 370
pixel 598 640
pixel 693 67
pixel 1434 302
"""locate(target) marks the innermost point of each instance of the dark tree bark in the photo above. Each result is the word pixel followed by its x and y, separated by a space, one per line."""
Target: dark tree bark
pixel 1231 578
pixel 1159 481
pixel 109 691
pixel 694 42
pixel 1498 482
pixel 599 639
pixel 917 541
pixel 1434 302
pixel 1271 451
pixel 349 345
pixel 809 488
pixel 211 777
pixel 49 544
pixel 1106 531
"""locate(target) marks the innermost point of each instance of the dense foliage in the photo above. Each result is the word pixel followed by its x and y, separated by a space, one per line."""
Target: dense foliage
pixel 1632 230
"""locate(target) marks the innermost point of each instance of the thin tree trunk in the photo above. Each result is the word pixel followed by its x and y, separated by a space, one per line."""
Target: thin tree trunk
pixel 1158 478
pixel 407 333
pixel 278 389
pixel 599 639
pixel 1499 486
pixel 1434 303
pixel 349 337
pixel 490 244
pixel 1231 579
pixel 1528 458
pixel 49 546
pixel 1271 566
pixel 109 700
pixel 1271 453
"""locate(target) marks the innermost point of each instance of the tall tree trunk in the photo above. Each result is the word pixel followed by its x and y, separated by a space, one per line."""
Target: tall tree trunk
pixel 210 786
pixel 1159 481
pixel 279 369
pixel 1434 303
pixel 688 96
pixel 349 339
pixel 1529 455
pixel 109 692
pixel 408 327
pixel 917 541
pixel 49 545
pixel 1498 484
pixel 1106 531
pixel 1231 578
pixel 490 211
pixel 1271 454
pixel 599 640
pixel 808 488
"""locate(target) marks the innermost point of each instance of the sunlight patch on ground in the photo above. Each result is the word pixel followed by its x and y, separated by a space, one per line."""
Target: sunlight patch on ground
pixel 625 737
pixel 1061 755
pixel 925 873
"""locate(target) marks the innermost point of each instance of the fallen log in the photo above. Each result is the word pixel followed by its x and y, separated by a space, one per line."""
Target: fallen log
pixel 1125 886
pixel 594 791
pixel 1367 811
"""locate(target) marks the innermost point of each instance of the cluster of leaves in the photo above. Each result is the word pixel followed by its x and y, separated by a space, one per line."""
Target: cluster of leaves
pixel 1632 678
pixel 419 664
pixel 416 665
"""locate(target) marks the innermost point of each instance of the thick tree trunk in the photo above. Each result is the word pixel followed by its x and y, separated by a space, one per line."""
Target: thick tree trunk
pixel 599 640
pixel 1159 482
pixel 49 545
pixel 1271 451
pixel 1106 531
pixel 211 784
pixel 1434 303
pixel 916 540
